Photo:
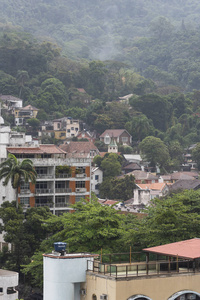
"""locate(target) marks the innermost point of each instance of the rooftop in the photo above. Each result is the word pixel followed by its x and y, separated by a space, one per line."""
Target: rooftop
pixel 186 249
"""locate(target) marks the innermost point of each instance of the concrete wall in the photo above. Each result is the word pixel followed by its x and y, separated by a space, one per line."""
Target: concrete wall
pixel 155 288
pixel 63 276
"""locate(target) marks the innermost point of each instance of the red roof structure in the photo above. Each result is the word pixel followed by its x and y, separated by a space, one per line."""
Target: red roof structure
pixel 189 249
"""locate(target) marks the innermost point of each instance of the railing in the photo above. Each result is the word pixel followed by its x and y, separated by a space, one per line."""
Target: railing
pixel 81 175
pixel 46 176
pixel 81 190
pixel 62 204
pixel 143 269
pixel 43 204
pixel 43 191
pixel 63 175
pixel 25 191
pixel 63 190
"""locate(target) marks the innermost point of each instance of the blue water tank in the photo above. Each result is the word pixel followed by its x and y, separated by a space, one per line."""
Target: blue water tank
pixel 60 246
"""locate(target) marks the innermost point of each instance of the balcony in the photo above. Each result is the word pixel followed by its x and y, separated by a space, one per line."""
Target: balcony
pixel 24 191
pixel 63 190
pixel 81 175
pixel 43 204
pixel 43 191
pixel 63 175
pixel 62 205
pixel 44 176
pixel 81 190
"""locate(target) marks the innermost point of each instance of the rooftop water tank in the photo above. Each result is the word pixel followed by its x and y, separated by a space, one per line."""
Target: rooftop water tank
pixel 60 246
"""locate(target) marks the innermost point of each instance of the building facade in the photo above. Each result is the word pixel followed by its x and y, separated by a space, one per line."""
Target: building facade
pixel 61 180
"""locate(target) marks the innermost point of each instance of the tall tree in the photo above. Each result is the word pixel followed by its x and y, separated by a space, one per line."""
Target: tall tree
pixel 155 151
pixel 22 77
pixel 18 172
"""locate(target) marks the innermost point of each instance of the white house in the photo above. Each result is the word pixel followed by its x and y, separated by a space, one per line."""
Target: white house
pixel 96 179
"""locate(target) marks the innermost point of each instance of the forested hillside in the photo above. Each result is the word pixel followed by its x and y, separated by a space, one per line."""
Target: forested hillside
pixel 96 29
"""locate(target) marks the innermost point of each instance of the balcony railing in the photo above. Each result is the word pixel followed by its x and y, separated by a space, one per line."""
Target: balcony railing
pixel 45 176
pixel 81 175
pixel 63 190
pixel 81 190
pixel 63 175
pixel 44 191
pixel 143 268
pixel 25 191
pixel 43 204
pixel 62 205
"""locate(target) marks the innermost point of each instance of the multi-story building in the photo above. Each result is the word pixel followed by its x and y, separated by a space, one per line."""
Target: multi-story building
pixel 61 180
pixel 25 113
pixel 66 127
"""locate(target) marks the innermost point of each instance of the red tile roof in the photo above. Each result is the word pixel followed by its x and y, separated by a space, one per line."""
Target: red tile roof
pixel 79 147
pixel 186 249
pixel 42 149
pixel 151 186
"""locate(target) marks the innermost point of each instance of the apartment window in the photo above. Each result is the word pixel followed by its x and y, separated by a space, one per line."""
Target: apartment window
pixel 24 200
pixel 41 185
pixel 79 198
pixel 24 186
pixel 80 184
pixel 76 129
pixel 60 184
pixel 72 128
pixel 41 170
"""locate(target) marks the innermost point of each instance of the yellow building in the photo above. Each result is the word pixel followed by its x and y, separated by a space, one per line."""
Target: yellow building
pixel 25 113
pixel 173 273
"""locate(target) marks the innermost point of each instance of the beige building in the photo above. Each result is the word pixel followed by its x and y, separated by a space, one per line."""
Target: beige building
pixel 172 274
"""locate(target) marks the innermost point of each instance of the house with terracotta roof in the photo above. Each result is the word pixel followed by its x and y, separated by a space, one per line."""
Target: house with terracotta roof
pixel 25 113
pixel 62 179
pixel 143 193
pixel 80 149
pixel 121 136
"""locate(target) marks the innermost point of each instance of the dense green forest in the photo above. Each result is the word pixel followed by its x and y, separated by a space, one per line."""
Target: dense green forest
pixel 39 74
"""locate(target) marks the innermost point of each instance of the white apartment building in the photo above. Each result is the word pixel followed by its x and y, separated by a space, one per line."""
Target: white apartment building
pixel 61 180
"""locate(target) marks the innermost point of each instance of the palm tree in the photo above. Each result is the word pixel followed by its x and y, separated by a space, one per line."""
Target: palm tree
pixel 18 172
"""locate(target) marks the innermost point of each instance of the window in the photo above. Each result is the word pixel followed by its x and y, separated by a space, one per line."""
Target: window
pixel 94 297
pixel 124 139
pixel 41 170
pixel 76 129
pixel 68 130
pixel 41 185
pixel 24 186
pixel 79 198
pixel 60 184
pixel 107 140
pixel 1 290
pixel 72 128
pixel 24 200
pixel 80 184
pixel 96 177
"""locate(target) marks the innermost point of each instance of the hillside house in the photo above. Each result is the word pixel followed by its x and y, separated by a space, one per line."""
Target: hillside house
pixel 121 136
pixel 25 113
pixel 143 193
